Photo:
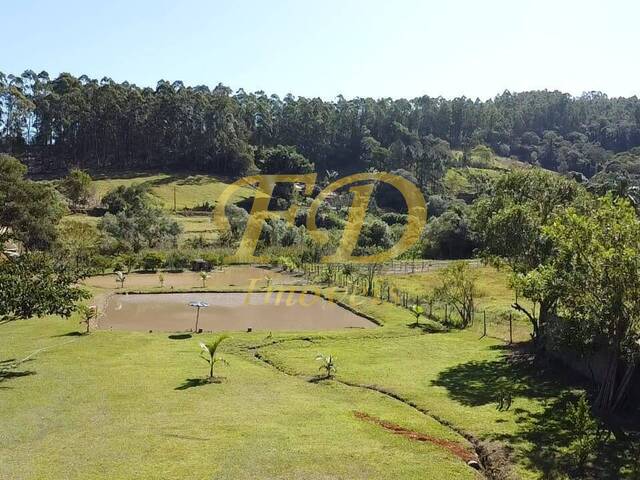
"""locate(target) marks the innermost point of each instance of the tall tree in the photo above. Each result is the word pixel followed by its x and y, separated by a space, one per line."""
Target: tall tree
pixel 595 272
pixel 510 222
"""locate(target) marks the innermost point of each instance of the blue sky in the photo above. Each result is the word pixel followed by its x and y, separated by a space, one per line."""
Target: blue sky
pixel 401 48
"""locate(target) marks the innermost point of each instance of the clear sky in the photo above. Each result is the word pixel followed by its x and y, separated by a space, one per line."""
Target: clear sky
pixel 378 48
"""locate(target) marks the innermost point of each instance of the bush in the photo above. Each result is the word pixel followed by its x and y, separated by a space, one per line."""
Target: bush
pixel 177 261
pixel 127 262
pixel 287 264
pixel 374 234
pixel 152 261
pixel 583 433
pixel 101 263
pixel 237 219
pixel 449 236
pixel 215 259
pixel 392 218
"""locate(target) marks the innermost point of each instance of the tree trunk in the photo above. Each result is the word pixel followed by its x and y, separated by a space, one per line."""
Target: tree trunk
pixel 607 392
pixel 623 388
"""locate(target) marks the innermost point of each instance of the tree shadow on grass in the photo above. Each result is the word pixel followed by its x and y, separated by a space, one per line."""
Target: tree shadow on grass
pixel 543 432
pixel 180 336
pixel 69 334
pixel 198 382
pixel 8 370
pixel 428 328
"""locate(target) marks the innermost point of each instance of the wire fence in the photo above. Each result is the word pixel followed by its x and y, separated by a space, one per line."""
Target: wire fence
pixel 369 280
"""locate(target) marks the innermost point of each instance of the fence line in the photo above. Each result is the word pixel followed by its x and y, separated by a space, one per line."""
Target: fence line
pixel 489 324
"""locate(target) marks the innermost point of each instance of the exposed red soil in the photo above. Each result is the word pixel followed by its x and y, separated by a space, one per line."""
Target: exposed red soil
pixel 454 447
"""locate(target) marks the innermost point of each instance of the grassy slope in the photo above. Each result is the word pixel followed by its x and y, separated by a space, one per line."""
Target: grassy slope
pixel 451 375
pixel 464 180
pixel 106 405
pixel 191 190
pixel 196 226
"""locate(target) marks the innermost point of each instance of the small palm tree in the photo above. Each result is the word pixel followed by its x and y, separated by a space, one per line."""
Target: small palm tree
pixel 161 279
pixel 328 365
pixel 267 281
pixel 87 313
pixel 417 311
pixel 209 351
pixel 120 278
pixel 204 276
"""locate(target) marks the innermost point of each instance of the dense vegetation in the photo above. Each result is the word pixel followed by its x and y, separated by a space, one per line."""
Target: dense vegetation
pixel 68 122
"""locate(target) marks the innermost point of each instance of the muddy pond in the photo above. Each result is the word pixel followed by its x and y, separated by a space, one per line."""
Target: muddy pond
pixel 173 312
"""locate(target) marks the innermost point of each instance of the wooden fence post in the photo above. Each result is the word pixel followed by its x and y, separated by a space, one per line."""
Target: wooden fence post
pixel 510 329
pixel 484 317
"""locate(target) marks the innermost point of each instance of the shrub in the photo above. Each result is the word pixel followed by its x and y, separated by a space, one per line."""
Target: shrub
pixel 101 263
pixel 583 433
pixel 177 261
pixel 152 261
pixel 393 218
pixel 215 259
pixel 128 262
pixel 374 234
pixel 287 264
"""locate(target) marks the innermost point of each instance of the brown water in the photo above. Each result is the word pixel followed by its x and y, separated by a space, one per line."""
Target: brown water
pixel 171 312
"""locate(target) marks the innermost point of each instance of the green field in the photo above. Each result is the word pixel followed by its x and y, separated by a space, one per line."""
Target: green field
pixel 131 404
pixel 192 226
pixel 190 190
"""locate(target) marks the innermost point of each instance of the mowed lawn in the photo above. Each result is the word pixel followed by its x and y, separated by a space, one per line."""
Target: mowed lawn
pixel 130 404
pixel 120 405
pixel 454 376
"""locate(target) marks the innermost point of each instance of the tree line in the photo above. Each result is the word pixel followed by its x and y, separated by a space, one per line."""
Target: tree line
pixel 67 121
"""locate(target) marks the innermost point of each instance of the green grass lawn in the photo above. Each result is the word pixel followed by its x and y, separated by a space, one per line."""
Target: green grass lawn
pixel 118 405
pixel 132 404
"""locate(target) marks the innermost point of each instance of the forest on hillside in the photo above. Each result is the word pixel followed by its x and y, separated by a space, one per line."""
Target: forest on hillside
pixel 56 124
